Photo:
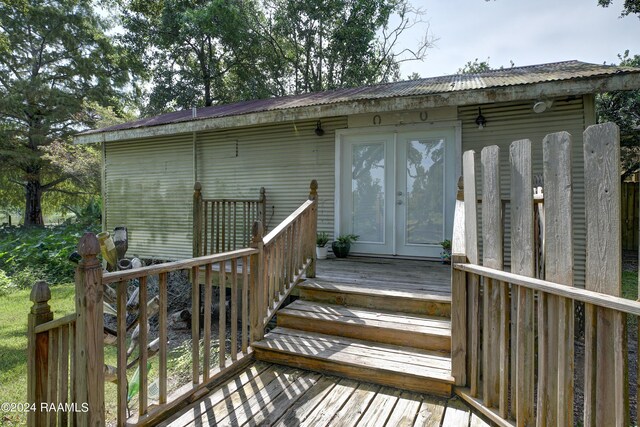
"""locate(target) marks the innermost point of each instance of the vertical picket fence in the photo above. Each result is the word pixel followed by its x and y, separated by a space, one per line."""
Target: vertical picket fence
pixel 513 343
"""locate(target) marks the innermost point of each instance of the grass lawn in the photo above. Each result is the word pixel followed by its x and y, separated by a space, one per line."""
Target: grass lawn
pixel 630 284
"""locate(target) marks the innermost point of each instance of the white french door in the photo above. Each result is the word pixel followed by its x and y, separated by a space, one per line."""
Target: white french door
pixel 397 191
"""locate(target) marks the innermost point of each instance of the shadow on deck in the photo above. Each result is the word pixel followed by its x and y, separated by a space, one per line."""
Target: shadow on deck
pixel 274 395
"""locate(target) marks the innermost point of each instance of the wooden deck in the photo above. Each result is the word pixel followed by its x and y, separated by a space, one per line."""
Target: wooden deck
pixel 274 395
pixel 393 274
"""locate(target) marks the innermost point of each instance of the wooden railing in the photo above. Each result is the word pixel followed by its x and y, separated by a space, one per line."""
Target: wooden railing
pixel 239 262
pixel 51 363
pixel 224 224
pixel 513 337
pixel 288 253
pixel 66 355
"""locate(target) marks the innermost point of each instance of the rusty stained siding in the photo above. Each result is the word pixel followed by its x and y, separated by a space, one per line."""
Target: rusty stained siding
pixel 148 188
pixel 508 122
pixel 283 158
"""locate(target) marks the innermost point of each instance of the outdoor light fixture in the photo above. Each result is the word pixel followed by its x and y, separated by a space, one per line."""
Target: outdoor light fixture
pixel 319 131
pixel 541 106
pixel 480 120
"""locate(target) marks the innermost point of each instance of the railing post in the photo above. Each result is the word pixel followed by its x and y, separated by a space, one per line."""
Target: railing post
pixel 197 220
pixel 257 304
pixel 459 293
pixel 89 347
pixel 262 209
pixel 38 352
pixel 313 228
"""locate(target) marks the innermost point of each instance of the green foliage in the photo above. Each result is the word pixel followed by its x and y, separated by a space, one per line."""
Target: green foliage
pixel 446 244
pixel 630 6
pixel 6 284
pixel 476 66
pixel 322 239
pixel 622 108
pixel 31 254
pixel 222 51
pixel 210 45
pixel 347 238
pixel 56 60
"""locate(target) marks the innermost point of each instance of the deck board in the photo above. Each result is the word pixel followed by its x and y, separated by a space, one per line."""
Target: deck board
pixel 275 395
pixel 404 275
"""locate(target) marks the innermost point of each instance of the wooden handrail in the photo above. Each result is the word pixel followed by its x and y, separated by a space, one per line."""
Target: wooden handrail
pixel 273 234
pixel 167 267
pixel 623 305
pixel 56 323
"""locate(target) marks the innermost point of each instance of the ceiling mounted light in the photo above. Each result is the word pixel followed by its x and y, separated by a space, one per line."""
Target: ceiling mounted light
pixel 542 106
pixel 319 131
pixel 480 120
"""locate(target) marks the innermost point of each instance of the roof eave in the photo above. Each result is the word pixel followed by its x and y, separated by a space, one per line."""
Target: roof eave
pixel 607 83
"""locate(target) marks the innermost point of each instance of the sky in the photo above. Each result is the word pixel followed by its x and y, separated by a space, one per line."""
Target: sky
pixel 526 32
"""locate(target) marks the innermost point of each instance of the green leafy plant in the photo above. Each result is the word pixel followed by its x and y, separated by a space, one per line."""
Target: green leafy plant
pixel 28 254
pixel 322 239
pixel 6 284
pixel 347 238
pixel 445 255
pixel 342 245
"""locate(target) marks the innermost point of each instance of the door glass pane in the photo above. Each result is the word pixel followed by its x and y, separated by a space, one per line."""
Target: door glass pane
pixel 425 191
pixel 367 191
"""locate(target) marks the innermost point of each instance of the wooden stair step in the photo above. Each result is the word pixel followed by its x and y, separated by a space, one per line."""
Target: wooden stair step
pixel 408 368
pixel 412 330
pixel 432 302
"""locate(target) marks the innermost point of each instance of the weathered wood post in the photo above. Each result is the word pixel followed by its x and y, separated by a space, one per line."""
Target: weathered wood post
pixel 313 228
pixel 262 208
pixel 89 346
pixel 197 220
pixel 256 294
pixel 459 294
pixel 606 367
pixel 38 352
pixel 473 281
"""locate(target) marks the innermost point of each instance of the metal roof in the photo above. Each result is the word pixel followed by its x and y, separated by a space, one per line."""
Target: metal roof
pixel 508 77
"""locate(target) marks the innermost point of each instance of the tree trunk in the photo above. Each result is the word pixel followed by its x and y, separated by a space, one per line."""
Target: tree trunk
pixel 33 207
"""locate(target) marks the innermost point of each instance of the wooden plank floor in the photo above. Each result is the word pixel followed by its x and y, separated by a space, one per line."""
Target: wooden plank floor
pixel 274 395
pixel 387 273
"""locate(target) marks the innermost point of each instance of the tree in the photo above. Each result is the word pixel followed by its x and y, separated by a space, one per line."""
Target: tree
pixel 199 52
pixel 623 108
pixel 55 57
pixel 331 44
pixel 476 66
pixel 206 52
pixel 630 6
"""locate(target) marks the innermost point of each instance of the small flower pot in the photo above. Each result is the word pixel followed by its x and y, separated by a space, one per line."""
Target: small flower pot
pixel 340 250
pixel 445 256
pixel 321 252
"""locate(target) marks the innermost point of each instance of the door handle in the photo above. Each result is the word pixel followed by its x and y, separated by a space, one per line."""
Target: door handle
pixel 399 202
pixel 399 193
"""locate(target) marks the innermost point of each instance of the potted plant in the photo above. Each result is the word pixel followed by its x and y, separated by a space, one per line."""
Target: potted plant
pixel 342 245
pixel 445 255
pixel 321 245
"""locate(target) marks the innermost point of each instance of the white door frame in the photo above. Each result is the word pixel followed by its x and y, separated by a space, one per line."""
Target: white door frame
pixel 456 125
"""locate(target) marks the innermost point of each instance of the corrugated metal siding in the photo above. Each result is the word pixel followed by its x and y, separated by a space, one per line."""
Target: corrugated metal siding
pixel 148 187
pixel 508 122
pixel 283 158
